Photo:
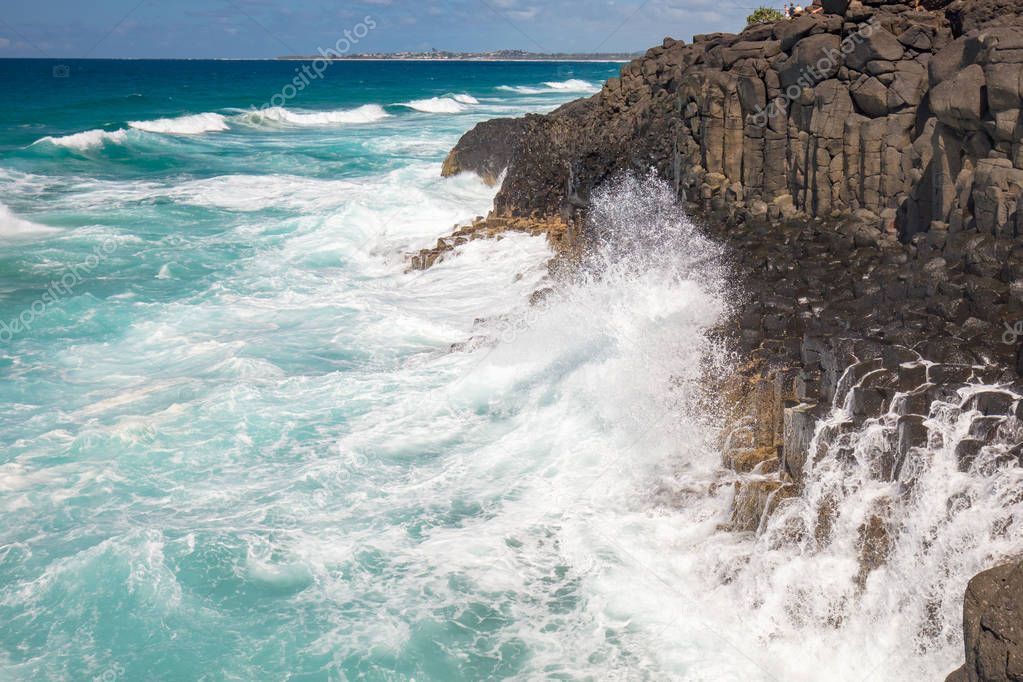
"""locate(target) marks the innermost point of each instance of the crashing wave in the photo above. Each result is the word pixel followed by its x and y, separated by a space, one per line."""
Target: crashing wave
pixel 571 85
pixel 88 139
pixel 14 228
pixel 367 113
pixel 192 124
pixel 437 105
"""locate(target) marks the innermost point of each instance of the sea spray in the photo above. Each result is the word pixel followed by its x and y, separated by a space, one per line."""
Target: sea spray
pixel 596 395
pixel 860 575
pixel 14 228
pixel 923 533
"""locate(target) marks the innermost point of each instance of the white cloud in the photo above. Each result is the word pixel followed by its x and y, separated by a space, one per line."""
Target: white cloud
pixel 524 14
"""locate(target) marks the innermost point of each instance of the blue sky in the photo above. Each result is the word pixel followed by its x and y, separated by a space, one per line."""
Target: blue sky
pixel 268 28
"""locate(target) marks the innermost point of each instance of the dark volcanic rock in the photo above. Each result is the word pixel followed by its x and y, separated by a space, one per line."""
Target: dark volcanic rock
pixel 874 44
pixel 486 150
pixel 993 626
pixel 968 15
pixel 882 114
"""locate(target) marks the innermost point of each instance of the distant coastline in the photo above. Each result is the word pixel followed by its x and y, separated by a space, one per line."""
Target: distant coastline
pixel 495 56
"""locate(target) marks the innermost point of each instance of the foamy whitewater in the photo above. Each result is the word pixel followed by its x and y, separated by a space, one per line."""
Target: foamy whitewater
pixel 243 442
pixel 571 85
pixel 183 125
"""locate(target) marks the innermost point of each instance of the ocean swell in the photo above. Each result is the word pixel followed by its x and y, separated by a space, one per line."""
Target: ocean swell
pixel 89 139
pixel 368 113
pixel 439 105
pixel 549 87
pixel 193 124
pixel 210 122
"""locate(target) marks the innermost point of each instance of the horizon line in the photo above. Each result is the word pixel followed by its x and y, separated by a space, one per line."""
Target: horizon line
pixel 382 56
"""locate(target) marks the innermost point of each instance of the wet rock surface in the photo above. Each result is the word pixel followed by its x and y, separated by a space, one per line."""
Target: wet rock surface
pixel 558 235
pixel 993 626
pixel 486 150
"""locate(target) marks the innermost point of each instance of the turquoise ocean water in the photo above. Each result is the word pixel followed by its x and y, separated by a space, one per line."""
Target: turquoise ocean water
pixel 240 441
pixel 236 443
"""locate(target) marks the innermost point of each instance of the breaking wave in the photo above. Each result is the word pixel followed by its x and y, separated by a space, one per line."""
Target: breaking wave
pixel 192 124
pixel 440 105
pixel 209 122
pixel 14 228
pixel 571 85
pixel 367 113
pixel 88 139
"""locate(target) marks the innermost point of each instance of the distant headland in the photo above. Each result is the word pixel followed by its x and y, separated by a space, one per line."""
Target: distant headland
pixel 492 56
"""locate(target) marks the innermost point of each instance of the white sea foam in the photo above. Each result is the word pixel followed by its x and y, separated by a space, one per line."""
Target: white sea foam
pixel 465 99
pixel 14 228
pixel 436 105
pixel 85 140
pixel 257 192
pixel 367 113
pixel 549 87
pixel 192 124
pixel 17 182
pixel 571 85
pixel 183 125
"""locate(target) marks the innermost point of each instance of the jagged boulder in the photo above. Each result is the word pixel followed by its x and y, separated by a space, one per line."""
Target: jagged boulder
pixel 486 150
pixel 813 59
pixel 871 97
pixel 959 101
pixel 993 627
pixel 874 44
pixel 969 15
pixel 835 6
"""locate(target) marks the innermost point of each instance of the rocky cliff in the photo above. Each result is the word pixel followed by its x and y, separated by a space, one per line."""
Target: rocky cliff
pixel 865 168
pixel 883 111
